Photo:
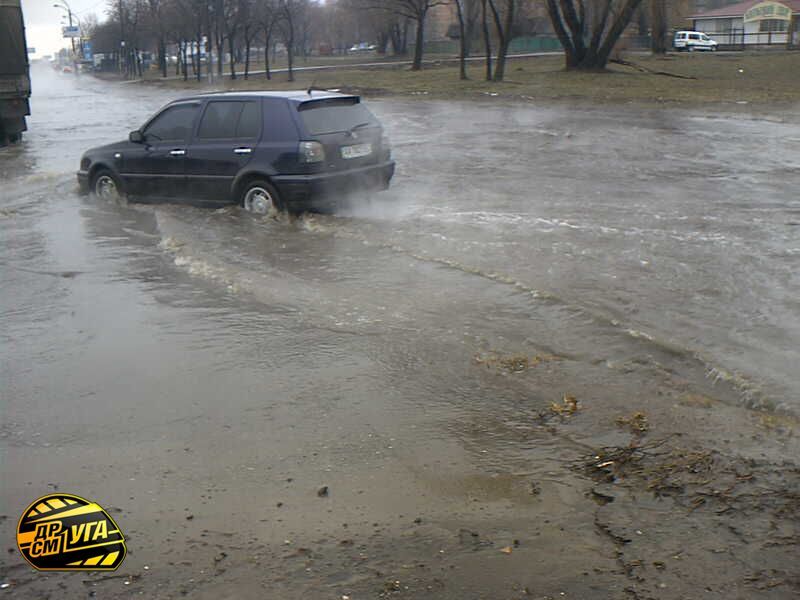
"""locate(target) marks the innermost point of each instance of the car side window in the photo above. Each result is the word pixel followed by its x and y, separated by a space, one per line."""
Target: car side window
pixel 230 119
pixel 249 125
pixel 694 36
pixel 219 120
pixel 173 124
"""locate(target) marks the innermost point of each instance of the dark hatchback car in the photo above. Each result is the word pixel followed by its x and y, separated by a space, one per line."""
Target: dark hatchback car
pixel 284 150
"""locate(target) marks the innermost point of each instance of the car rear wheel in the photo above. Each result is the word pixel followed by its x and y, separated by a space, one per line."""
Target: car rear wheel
pixel 260 198
pixel 106 186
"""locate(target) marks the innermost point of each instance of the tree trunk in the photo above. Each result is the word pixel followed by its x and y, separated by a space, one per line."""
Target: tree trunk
pixel 570 27
pixel 197 55
pixel 383 41
pixel 290 53
pixel 416 65
pixel 184 65
pixel 247 42
pixel 504 35
pixel 399 39
pixel 162 55
pixel 220 52
pixel 233 62
pixel 462 38
pixel 660 23
pixel 266 57
pixel 487 41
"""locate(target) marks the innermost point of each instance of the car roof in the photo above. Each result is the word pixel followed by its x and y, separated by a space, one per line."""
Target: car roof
pixel 298 96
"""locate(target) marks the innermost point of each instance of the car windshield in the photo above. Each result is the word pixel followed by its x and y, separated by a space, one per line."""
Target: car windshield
pixel 334 116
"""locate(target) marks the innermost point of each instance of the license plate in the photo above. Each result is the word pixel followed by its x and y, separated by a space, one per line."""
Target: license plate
pixel 356 151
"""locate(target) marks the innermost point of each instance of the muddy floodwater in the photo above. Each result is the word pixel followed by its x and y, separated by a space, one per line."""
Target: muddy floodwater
pixel 558 358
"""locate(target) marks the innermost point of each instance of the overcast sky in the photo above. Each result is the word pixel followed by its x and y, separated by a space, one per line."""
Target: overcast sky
pixel 43 22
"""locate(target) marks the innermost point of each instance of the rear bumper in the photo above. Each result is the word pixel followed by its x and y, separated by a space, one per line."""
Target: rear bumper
pixel 326 190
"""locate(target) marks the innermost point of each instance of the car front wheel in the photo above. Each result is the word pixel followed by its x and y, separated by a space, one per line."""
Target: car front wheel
pixel 260 198
pixel 106 186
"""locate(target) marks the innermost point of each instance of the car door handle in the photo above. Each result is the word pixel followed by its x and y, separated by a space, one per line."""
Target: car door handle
pixel 242 150
pixel 177 152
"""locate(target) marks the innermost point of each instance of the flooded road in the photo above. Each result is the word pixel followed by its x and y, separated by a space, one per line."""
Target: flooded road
pixel 203 373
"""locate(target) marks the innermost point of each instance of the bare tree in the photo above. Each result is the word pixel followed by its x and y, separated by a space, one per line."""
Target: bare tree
pixel 487 40
pixel 286 26
pixel 250 29
pixel 504 25
pixel 463 43
pixel 659 26
pixel 267 16
pixel 398 32
pixel 413 10
pixel 231 25
pixel 601 27
pixel 467 13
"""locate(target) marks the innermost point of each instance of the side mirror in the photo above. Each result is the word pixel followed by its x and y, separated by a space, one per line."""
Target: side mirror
pixel 136 137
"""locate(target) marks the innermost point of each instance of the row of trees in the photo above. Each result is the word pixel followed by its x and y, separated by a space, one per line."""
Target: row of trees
pixel 189 32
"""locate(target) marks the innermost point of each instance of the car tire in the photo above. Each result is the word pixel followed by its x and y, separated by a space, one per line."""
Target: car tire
pixel 713 48
pixel 106 186
pixel 690 48
pixel 260 198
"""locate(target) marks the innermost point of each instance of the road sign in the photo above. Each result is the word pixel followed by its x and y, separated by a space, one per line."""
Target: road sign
pixel 71 31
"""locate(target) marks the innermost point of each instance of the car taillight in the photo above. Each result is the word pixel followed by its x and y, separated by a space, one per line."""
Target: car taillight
pixel 311 152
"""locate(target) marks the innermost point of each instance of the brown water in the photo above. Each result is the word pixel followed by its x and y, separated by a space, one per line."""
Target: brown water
pixel 175 361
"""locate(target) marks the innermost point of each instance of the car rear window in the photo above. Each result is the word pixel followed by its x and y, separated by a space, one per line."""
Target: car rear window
pixel 334 115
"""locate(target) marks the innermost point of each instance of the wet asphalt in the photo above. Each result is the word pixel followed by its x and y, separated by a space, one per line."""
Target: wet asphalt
pixel 203 373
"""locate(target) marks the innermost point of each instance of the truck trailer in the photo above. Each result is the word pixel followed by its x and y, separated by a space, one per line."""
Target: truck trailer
pixel 15 81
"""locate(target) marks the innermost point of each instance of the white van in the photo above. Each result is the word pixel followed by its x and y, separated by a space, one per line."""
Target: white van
pixel 693 40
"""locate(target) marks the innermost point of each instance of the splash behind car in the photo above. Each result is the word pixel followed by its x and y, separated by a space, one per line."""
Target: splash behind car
pixel 298 151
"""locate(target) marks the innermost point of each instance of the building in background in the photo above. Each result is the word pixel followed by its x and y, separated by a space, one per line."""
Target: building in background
pixel 752 23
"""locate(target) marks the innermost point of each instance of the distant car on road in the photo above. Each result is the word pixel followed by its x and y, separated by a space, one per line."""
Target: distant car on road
pixel 362 47
pixel 693 40
pixel 297 151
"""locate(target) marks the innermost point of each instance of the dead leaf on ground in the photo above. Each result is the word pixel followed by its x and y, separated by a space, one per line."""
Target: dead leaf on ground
pixel 568 406
pixel 637 422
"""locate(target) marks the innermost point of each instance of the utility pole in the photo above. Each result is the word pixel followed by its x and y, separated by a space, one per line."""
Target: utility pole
pixel 63 5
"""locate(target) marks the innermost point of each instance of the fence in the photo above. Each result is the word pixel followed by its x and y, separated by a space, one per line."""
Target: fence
pixel 737 39
pixel 518 45
pixel 729 40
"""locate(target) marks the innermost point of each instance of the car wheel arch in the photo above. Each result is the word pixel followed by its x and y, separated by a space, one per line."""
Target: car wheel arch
pixel 244 179
pixel 97 167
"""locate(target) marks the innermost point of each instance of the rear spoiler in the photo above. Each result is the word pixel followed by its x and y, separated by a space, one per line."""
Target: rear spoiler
pixel 314 102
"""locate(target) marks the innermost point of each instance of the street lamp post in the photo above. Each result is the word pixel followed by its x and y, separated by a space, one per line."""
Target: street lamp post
pixel 63 5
